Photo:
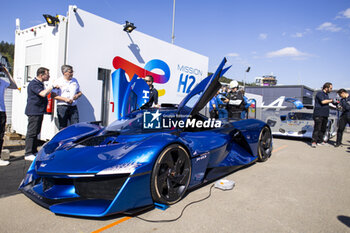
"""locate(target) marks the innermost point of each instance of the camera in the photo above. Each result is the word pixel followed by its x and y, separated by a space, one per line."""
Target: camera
pixel 2 69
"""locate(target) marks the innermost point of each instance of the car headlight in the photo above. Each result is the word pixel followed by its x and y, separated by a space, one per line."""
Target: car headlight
pixel 119 169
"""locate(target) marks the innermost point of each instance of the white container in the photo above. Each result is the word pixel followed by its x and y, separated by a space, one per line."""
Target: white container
pixel 81 34
pixel 224 184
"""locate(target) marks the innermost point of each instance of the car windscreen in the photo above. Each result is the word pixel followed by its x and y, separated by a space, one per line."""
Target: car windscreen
pixel 190 104
pixel 134 123
pixel 140 121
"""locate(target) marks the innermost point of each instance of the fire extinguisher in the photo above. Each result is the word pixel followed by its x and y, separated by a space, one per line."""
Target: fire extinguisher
pixel 50 104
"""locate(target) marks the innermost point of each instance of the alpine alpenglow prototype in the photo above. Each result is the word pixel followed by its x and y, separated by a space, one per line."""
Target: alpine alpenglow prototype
pixel 88 170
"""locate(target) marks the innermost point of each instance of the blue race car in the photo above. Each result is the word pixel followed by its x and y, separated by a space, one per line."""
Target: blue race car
pixel 148 156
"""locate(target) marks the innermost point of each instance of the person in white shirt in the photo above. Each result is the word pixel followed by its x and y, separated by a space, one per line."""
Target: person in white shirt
pixel 3 85
pixel 66 96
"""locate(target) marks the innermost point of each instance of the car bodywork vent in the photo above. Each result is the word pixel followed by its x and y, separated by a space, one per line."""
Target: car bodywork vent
pixel 98 140
pixel 99 187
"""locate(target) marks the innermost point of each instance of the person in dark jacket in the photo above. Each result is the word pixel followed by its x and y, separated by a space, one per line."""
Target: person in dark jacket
pixel 153 93
pixel 321 114
pixel 235 106
pixel 35 110
pixel 344 106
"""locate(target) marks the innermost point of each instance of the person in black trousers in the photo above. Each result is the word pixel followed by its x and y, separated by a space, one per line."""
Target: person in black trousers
pixel 35 109
pixel 344 106
pixel 236 103
pixel 66 96
pixel 321 113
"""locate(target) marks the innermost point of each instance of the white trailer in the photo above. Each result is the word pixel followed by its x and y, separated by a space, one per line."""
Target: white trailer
pixel 90 44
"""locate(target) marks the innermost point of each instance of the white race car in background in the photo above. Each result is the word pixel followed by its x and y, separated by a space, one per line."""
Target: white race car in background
pixel 296 120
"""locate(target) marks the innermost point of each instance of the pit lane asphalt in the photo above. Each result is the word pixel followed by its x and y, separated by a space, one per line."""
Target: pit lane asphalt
pixel 299 189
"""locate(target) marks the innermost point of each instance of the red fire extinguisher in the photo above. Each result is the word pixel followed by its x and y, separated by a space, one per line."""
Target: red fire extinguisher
pixel 50 104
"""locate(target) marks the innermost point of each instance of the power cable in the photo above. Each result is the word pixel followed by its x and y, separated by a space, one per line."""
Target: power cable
pixel 175 219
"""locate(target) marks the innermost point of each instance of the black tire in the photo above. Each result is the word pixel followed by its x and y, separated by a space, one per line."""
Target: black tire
pixel 264 144
pixel 171 175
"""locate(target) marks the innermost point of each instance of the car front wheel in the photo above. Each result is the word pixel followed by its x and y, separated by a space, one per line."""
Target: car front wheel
pixel 171 175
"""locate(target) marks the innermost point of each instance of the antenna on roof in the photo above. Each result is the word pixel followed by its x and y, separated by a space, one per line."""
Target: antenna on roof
pixel 18 25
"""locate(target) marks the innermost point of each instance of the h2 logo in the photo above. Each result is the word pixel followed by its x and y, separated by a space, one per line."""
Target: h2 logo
pixel 183 81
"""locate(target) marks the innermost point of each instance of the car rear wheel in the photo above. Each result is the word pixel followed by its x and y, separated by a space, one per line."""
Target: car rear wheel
pixel 264 144
pixel 171 175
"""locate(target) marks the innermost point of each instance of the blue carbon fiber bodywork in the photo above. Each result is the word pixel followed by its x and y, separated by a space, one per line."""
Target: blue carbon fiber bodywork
pixel 88 170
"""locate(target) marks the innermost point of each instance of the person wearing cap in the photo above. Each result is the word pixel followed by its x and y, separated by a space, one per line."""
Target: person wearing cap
pixel 3 85
pixel 221 104
pixel 235 104
pixel 217 105
pixel 344 106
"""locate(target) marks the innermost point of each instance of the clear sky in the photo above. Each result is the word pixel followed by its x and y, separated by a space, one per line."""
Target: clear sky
pixel 300 41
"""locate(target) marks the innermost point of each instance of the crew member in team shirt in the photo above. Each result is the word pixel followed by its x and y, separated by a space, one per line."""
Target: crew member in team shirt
pixel 236 104
pixel 66 96
pixel 320 115
pixel 35 110
pixel 153 93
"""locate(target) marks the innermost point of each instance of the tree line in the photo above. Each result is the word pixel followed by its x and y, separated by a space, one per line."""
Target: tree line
pixel 224 79
pixel 7 50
